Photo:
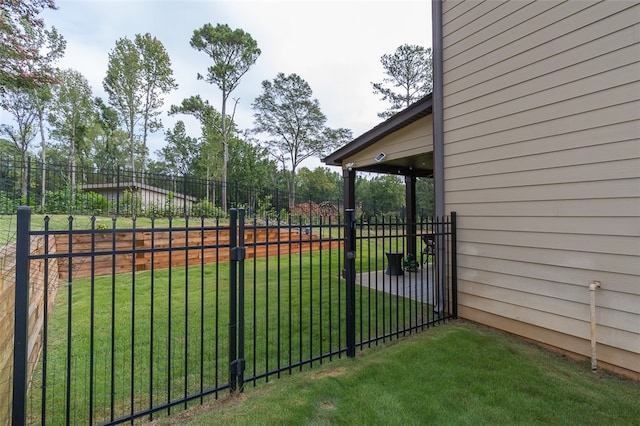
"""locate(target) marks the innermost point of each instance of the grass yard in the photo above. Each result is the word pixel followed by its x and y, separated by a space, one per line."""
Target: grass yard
pixel 294 310
pixel 457 374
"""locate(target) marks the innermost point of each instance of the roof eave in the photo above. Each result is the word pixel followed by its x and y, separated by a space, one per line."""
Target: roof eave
pixel 402 119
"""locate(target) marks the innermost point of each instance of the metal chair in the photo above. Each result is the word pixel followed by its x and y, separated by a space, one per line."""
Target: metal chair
pixel 429 247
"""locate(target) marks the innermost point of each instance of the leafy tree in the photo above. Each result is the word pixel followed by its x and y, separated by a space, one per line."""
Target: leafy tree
pixel 72 116
pixel 425 197
pixel 233 52
pixel 107 155
pixel 19 103
pixel 42 97
pixel 380 195
pixel 211 143
pixel 250 164
pixel 156 79
pixel 287 112
pixel 57 154
pixel 182 151
pixel 408 77
pixel 158 168
pixel 281 187
pixel 320 184
pixel 8 149
pixel 8 175
pixel 138 74
pixel 27 49
pixel 51 46
pixel 122 86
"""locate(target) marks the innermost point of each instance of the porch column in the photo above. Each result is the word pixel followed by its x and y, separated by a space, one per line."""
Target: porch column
pixel 349 182
pixel 410 186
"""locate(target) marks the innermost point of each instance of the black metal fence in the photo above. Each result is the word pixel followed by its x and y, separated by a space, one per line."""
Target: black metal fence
pixel 151 319
pixel 84 189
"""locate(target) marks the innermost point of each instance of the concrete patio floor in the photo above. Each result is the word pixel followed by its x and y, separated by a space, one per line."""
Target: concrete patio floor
pixel 418 285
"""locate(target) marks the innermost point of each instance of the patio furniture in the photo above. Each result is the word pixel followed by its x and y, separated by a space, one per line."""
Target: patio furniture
pixel 394 264
pixel 429 247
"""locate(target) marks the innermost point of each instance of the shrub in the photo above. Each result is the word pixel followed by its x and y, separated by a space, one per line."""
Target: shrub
pixel 265 208
pixel 59 202
pixel 7 204
pixel 67 200
pixel 91 203
pixel 170 208
pixel 204 208
pixel 130 203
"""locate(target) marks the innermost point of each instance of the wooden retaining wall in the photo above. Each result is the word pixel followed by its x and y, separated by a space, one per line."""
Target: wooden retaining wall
pixel 36 314
pixel 182 245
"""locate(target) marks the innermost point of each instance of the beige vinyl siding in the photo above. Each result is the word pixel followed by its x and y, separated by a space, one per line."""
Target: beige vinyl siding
pixel 542 164
pixel 411 140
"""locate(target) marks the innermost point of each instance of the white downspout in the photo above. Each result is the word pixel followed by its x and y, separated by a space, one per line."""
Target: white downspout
pixel 592 289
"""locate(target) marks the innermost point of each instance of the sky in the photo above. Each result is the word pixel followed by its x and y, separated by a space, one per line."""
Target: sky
pixel 334 45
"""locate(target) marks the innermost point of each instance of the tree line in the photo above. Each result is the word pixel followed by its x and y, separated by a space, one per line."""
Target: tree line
pixel 85 130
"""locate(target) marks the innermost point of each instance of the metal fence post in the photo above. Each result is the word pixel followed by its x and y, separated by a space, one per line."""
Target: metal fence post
pixel 236 301
pixel 233 241
pixel 21 326
pixel 350 276
pixel 240 250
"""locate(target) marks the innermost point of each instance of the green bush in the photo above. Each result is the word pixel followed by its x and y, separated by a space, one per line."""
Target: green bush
pixel 204 208
pixel 7 204
pixel 91 203
pixel 130 203
pixel 67 201
pixel 170 207
pixel 156 210
pixel 265 208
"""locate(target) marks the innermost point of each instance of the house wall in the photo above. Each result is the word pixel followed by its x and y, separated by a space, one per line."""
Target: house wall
pixel 542 164
pixel 414 139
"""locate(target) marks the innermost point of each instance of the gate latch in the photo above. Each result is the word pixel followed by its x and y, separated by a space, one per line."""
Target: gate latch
pixel 238 253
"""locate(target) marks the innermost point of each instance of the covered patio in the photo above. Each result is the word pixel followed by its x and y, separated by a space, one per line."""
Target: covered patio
pixel 402 146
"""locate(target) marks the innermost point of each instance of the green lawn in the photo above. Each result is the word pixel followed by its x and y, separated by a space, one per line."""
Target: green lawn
pixel 294 310
pixel 456 374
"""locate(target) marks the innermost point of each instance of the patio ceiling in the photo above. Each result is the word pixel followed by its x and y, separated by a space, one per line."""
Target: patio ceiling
pixel 402 145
